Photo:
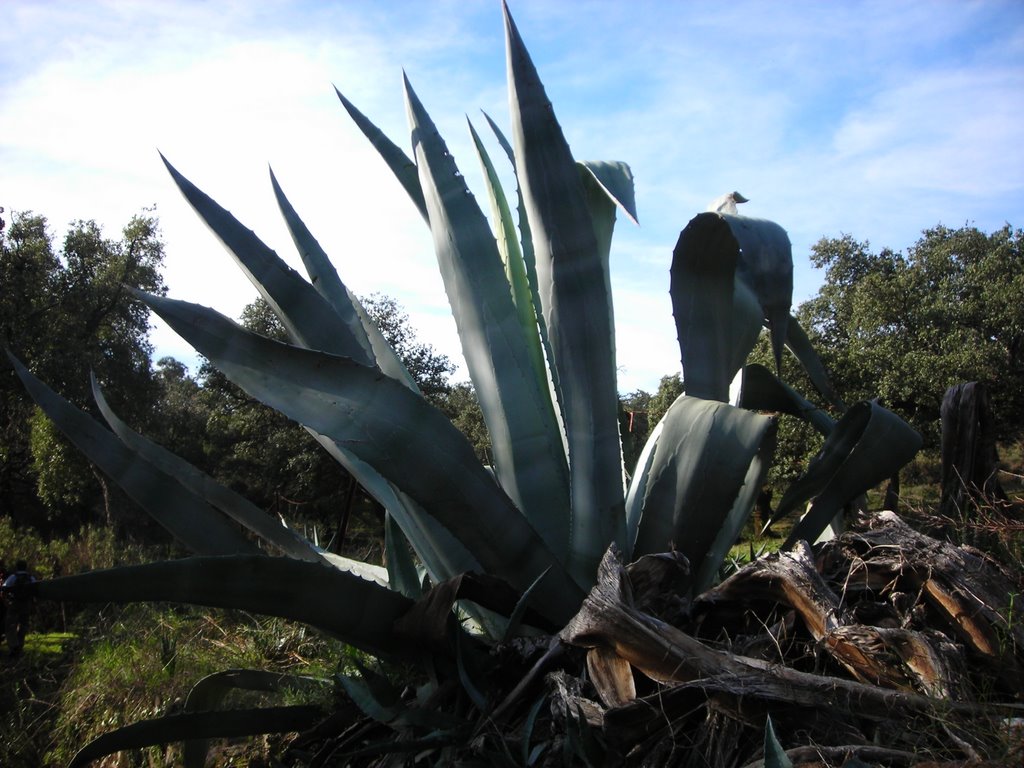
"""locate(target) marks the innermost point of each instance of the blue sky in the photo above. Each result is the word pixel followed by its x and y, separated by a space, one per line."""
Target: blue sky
pixel 878 119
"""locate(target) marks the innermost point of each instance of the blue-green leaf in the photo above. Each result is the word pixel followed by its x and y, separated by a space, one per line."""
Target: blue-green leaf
pixel 353 609
pixel 800 345
pixel 703 283
pixel 528 456
pixel 764 391
pixel 306 315
pixel 774 755
pixel 703 478
pixel 399 163
pixel 210 692
pixel 868 445
pixel 515 266
pixel 766 265
pixel 402 574
pixel 186 516
pixel 327 283
pixel 235 506
pixel 574 297
pixel 395 431
pixel 616 179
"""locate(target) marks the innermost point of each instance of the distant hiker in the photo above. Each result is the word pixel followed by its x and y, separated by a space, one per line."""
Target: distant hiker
pixel 19 593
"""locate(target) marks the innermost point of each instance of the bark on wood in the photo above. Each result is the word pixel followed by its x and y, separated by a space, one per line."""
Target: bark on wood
pixel 915 622
pixel 969 458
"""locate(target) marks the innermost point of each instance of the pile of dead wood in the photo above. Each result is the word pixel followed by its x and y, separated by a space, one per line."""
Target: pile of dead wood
pixel 883 645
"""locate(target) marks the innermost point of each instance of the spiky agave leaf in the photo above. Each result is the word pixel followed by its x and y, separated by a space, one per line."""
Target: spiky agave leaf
pixel 238 508
pixel 764 391
pixel 515 265
pixel 400 164
pixel 308 318
pixel 703 472
pixel 322 320
pixel 718 315
pixel 530 464
pixel 573 293
pixel 360 612
pixel 800 345
pixel 185 515
pixel 393 430
pixel 868 444
pixel 324 278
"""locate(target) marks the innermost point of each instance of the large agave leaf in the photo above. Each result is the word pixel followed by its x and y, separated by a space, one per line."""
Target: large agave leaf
pixel 574 297
pixel 357 611
pixel 209 694
pixel 199 725
pixel 513 397
pixel 399 163
pixel 315 324
pixel 616 180
pixel 393 430
pixel 867 445
pixel 606 186
pixel 763 391
pixel 402 572
pixel 326 281
pixel 238 508
pixel 442 554
pixel 186 516
pixel 766 265
pixel 512 256
pixel 530 264
pixel 703 286
pixel 638 487
pixel 703 477
pixel 800 345
pixel 309 319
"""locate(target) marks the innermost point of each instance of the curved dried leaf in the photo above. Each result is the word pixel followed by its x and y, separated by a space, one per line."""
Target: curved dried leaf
pixel 867 445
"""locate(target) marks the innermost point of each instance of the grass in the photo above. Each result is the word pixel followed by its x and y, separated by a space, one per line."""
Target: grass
pixel 142 663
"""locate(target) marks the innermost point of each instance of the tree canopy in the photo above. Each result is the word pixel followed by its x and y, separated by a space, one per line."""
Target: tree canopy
pixel 65 313
pixel 906 327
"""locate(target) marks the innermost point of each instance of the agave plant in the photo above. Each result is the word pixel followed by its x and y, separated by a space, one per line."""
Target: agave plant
pixel 533 308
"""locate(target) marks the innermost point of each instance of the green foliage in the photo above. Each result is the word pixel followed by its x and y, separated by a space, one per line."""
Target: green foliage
pixel 534 318
pixel 669 389
pixel 906 327
pixel 65 313
pixel 148 659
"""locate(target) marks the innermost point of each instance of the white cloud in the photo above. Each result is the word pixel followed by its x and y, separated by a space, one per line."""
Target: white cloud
pixel 877 119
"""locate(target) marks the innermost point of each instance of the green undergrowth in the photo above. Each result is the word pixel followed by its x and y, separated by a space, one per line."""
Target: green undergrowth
pixel 144 661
